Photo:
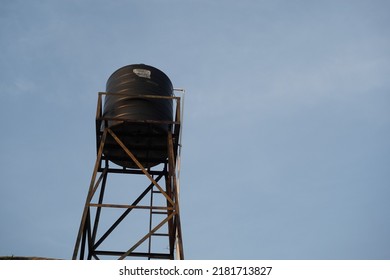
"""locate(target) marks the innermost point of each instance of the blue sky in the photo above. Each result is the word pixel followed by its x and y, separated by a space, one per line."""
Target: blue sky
pixel 287 125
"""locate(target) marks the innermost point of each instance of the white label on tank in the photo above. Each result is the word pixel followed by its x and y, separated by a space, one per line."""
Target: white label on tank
pixel 143 73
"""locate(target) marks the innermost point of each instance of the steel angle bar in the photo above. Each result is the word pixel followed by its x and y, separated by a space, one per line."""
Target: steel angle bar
pixel 130 206
pixel 90 244
pixel 98 121
pixel 139 121
pixel 172 172
pixel 136 96
pixel 103 175
pixel 98 210
pixel 171 164
pixel 99 110
pixel 177 118
pixel 135 254
pixel 171 227
pixel 133 171
pixel 83 242
pixel 171 182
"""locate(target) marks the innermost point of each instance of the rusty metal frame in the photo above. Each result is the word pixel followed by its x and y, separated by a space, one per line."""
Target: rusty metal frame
pixel 89 238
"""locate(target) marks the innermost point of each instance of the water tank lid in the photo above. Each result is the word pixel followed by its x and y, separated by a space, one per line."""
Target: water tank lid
pixel 141 70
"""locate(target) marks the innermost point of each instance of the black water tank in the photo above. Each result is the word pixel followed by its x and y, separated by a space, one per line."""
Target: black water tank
pixel 146 140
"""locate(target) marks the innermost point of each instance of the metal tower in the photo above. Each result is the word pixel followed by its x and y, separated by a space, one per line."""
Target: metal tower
pixel 145 219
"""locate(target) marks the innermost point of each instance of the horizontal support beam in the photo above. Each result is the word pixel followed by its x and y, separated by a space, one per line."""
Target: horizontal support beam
pixel 134 254
pixel 137 96
pixel 160 234
pixel 127 159
pixel 136 121
pixel 130 206
pixel 143 147
pixel 132 171
pixel 125 133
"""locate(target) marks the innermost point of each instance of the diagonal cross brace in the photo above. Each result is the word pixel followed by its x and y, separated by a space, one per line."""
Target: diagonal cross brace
pixel 140 166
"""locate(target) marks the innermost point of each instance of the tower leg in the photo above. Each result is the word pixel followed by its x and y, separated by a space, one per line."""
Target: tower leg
pixel 92 188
